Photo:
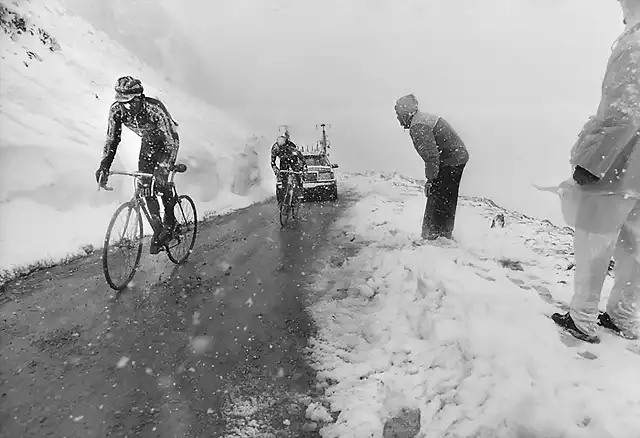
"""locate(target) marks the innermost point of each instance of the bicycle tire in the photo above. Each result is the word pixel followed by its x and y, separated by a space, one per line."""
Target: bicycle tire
pixel 295 207
pixel 187 253
pixel 285 209
pixel 105 249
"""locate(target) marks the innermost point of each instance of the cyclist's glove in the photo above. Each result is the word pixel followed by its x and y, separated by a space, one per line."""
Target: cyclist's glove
pixel 102 176
pixel 583 177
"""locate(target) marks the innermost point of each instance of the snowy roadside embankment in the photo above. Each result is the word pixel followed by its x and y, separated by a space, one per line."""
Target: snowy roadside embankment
pixel 55 92
pixel 451 338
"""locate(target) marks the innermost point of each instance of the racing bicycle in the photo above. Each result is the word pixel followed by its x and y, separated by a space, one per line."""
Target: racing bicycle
pixel 123 243
pixel 290 205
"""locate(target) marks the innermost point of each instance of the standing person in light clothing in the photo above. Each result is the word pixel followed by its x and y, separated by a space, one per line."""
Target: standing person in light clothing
pixel 606 162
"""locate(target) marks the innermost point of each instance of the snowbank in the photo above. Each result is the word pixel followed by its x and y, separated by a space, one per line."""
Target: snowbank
pixel 458 329
pixel 57 85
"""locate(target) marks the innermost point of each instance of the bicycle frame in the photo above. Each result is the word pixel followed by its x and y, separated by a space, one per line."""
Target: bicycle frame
pixel 138 200
pixel 184 231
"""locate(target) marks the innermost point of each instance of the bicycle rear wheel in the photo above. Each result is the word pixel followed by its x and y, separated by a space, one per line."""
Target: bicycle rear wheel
pixel 181 244
pixel 122 246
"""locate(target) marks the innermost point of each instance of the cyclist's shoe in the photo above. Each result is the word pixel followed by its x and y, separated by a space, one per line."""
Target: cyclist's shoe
pixel 156 243
pixel 170 227
pixel 163 237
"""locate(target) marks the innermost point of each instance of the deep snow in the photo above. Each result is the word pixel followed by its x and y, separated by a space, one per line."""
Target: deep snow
pixel 458 330
pixel 55 96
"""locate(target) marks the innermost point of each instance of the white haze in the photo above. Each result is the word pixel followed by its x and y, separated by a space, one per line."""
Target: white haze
pixel 516 78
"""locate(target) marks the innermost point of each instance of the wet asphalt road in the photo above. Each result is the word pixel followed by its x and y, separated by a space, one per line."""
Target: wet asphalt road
pixel 207 349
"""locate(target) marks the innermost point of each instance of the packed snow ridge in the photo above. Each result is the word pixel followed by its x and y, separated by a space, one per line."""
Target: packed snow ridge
pixel 453 338
pixel 57 83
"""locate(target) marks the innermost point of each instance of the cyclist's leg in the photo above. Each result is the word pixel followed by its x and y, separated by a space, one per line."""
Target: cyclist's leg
pixel 169 202
pixel 146 164
pixel 168 198
pixel 279 190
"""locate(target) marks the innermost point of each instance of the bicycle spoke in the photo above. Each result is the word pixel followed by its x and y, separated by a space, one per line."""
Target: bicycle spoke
pixel 124 244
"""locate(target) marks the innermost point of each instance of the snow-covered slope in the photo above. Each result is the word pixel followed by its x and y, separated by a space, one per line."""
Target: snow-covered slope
pixel 145 28
pixel 56 85
pixel 457 333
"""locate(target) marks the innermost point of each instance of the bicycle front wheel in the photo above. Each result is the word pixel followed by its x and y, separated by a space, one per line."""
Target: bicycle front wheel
pixel 295 207
pixel 184 236
pixel 122 246
pixel 285 209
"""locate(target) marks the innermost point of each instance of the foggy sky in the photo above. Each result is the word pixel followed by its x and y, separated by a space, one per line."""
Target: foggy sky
pixel 516 78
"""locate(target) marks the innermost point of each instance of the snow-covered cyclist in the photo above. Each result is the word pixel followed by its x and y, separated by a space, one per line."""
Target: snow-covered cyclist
pixel 151 121
pixel 290 159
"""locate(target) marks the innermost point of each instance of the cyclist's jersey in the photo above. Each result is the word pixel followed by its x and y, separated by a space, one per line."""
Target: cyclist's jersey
pixel 290 157
pixel 153 124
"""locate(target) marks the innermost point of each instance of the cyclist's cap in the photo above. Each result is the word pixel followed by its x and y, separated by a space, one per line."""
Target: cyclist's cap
pixel 127 88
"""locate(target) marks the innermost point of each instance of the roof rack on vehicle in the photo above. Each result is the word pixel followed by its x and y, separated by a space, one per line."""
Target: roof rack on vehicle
pixel 311 150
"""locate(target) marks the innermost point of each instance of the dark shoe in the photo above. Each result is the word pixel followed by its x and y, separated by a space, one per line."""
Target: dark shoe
pixel 156 246
pixel 566 322
pixel 160 239
pixel 165 235
pixel 604 320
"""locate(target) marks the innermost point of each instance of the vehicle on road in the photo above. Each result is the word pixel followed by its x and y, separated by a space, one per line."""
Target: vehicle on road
pixel 320 178
pixel 290 205
pixel 123 243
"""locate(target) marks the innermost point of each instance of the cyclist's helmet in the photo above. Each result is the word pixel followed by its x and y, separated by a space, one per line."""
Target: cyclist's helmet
pixel 127 88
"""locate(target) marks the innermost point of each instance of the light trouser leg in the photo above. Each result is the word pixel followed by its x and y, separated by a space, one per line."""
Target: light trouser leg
pixel 624 301
pixel 600 219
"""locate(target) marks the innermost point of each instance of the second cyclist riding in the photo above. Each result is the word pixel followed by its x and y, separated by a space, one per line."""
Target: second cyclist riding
pixel 290 205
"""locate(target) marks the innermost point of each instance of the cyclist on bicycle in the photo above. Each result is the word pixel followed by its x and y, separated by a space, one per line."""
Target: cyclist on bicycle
pixel 290 159
pixel 150 120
